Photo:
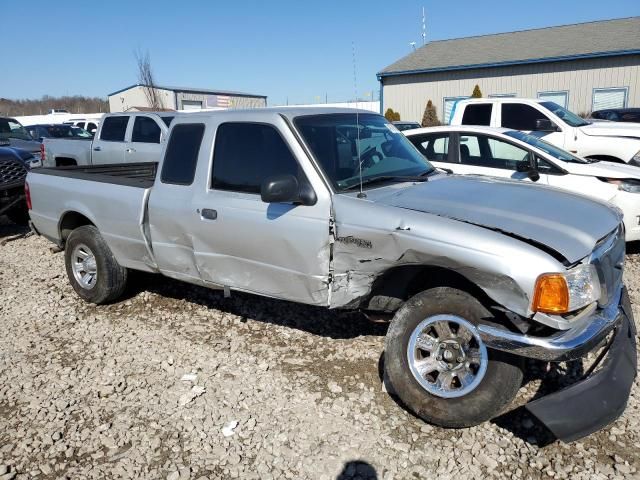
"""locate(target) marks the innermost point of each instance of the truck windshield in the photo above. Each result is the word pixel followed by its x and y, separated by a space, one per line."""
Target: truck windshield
pixel 568 117
pixel 343 145
pixel 10 128
pixel 546 147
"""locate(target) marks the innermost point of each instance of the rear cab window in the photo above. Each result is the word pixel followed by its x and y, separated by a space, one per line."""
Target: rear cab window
pixel 477 114
pixel 181 156
pixel 114 128
pixel 246 154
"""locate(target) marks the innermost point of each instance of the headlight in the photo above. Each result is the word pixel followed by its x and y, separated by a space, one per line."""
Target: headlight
pixel 560 293
pixel 625 184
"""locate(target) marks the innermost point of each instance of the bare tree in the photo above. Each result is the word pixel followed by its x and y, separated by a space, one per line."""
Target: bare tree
pixel 145 77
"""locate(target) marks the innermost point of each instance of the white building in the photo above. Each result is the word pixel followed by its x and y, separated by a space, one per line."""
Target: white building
pixel 134 97
pixel 584 67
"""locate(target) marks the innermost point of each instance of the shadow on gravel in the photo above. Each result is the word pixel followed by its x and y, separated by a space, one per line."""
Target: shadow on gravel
pixel 357 469
pixel 10 229
pixel 633 248
pixel 550 377
pixel 315 320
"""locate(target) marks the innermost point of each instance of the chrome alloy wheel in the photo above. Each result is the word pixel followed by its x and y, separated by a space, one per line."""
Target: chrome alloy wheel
pixel 83 264
pixel 446 356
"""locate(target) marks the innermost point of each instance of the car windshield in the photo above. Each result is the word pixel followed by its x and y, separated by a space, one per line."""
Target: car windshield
pixel 344 143
pixel 568 117
pixel 67 131
pixel 546 147
pixel 10 128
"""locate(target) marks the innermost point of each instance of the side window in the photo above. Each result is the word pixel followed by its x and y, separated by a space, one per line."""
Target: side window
pixel 477 114
pixel 145 130
pixel 181 157
pixel 245 154
pixel 520 117
pixel 434 147
pixel 483 151
pixel 114 128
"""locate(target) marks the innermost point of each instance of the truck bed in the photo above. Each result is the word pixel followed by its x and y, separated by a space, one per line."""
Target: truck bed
pixel 141 175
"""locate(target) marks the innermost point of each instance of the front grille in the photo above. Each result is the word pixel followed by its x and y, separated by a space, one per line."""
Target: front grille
pixel 608 258
pixel 12 172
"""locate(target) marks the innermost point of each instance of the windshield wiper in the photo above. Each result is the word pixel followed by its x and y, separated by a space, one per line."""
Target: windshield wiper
pixel 387 178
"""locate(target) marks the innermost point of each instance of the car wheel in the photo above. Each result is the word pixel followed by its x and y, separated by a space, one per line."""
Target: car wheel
pixel 91 267
pixel 438 365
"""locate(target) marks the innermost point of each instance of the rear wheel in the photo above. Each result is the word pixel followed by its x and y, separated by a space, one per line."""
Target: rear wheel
pixel 92 269
pixel 438 365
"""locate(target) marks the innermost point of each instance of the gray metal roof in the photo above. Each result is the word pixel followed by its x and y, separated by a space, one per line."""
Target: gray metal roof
pixel 193 90
pixel 567 42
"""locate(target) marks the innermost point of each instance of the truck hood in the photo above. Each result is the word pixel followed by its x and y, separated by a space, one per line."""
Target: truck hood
pixel 569 224
pixel 612 129
pixel 602 169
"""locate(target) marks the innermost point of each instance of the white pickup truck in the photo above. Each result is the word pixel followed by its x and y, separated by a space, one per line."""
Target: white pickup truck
pixel 121 138
pixel 609 141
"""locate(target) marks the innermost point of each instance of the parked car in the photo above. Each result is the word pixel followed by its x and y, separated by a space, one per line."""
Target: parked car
pixel 610 141
pixel 406 125
pixel 13 133
pixel 14 165
pixel 287 203
pixel 52 130
pixel 514 154
pixel 617 115
pixel 90 125
pixel 121 138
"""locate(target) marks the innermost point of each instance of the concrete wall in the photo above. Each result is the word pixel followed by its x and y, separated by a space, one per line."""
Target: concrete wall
pixel 408 94
pixel 135 97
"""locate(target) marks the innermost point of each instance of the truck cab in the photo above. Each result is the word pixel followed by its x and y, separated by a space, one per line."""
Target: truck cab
pixel 610 141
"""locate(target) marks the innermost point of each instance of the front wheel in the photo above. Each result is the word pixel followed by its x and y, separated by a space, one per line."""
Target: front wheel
pixel 93 271
pixel 438 365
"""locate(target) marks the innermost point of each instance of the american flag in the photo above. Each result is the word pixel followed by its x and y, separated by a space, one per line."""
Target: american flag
pixel 222 101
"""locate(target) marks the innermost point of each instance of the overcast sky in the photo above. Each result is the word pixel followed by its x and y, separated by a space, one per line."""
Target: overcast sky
pixel 289 49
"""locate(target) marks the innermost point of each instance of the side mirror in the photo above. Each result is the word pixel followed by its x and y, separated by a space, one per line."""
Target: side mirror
pixel 286 189
pixel 545 125
pixel 525 167
pixel 533 175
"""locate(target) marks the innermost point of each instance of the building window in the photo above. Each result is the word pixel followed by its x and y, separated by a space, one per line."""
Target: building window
pixel 449 107
pixel 191 104
pixel 502 95
pixel 604 98
pixel 561 98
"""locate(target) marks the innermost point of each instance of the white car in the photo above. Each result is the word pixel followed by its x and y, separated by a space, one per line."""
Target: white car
pixel 612 141
pixel 501 152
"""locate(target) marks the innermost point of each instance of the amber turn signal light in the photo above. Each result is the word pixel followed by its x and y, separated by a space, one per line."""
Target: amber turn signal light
pixel 551 294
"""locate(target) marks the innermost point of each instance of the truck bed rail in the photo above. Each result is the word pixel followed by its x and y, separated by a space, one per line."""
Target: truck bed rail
pixel 140 175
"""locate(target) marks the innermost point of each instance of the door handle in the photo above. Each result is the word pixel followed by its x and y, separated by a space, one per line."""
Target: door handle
pixel 131 150
pixel 209 214
pixel 96 149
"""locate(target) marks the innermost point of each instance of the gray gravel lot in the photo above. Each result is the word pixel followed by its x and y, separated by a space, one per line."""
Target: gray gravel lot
pixel 176 382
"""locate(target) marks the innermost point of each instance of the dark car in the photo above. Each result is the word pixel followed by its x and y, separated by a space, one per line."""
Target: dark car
pixel 14 165
pixel 51 130
pixel 406 125
pixel 618 115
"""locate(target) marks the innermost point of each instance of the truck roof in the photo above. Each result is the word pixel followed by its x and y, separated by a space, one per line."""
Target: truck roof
pixel 501 100
pixel 289 112
pixel 457 128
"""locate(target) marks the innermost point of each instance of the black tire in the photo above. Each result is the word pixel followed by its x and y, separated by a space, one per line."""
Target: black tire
pixel 111 278
pixel 19 216
pixel 498 387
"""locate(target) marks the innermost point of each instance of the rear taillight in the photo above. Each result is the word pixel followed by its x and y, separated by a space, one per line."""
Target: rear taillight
pixel 42 153
pixel 27 195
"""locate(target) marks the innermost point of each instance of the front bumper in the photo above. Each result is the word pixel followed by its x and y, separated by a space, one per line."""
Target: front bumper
pixel 598 398
pixel 566 345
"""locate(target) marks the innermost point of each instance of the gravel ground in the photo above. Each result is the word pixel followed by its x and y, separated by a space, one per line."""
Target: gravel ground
pixel 176 382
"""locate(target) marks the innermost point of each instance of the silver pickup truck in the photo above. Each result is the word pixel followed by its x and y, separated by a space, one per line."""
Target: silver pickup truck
pixel 336 208
pixel 134 137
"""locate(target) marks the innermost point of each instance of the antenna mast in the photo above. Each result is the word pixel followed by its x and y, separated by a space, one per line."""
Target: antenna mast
pixel 361 194
pixel 424 28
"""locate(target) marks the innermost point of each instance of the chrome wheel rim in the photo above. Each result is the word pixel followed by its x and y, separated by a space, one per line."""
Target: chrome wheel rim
pixel 83 265
pixel 446 356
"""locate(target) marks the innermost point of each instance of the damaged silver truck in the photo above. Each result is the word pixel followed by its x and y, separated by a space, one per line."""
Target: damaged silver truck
pixel 336 208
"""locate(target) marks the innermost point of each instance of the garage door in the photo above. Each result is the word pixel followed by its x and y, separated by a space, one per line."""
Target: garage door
pixel 191 105
pixel 604 98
